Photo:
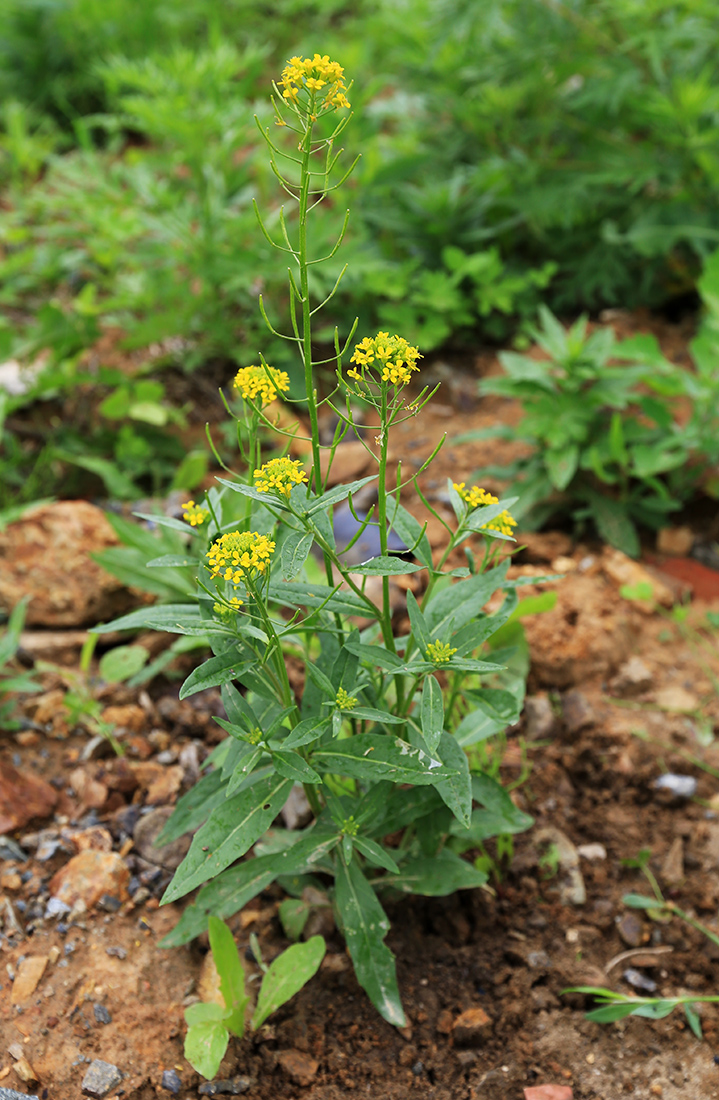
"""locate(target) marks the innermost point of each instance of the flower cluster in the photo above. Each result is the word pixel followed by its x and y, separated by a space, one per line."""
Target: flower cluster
pixel 395 358
pixel 475 497
pixel 194 514
pixel 261 384
pixel 279 475
pixel 502 523
pixel 344 700
pixel 240 556
pixel 439 653
pixel 312 74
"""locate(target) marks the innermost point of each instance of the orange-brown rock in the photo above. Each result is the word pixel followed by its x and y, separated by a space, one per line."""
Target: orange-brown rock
pixel 160 781
pixel 29 973
pixel 471 1028
pixel 23 797
pixel 90 875
pixel 298 1066
pixel 129 717
pixel 46 556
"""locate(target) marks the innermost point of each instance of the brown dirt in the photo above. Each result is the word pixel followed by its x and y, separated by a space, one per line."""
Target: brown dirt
pixel 509 952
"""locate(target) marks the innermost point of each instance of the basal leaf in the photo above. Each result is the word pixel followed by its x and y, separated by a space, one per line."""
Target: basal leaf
pixel 286 976
pixel 205 1045
pixel 231 973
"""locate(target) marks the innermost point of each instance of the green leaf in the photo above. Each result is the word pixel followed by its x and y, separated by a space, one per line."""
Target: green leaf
pixel 295 551
pixel 223 897
pixel 206 1043
pixel 172 561
pixel 294 767
pixel 365 926
pixel 614 524
pixel 372 714
pixel 417 622
pixel 215 671
pixel 375 756
pixel 231 974
pixel 305 732
pixel 231 830
pixel 463 601
pixel 694 1021
pixel 339 493
pixel 607 1014
pixel 286 976
pixel 432 712
pixel 475 727
pixel 562 466
pixel 289 594
pixel 377 856
pixel 657 1010
pixel 437 876
pixel 122 662
pixel 178 618
pixel 639 901
pixel 455 791
pixel 386 567
pixel 293 913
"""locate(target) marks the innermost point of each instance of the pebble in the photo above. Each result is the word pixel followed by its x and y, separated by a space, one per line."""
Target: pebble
pixel 234 1086
pixel 681 786
pixel 672 869
pixel 632 679
pixel 471 1028
pixel 572 890
pixel 87 877
pixel 677 700
pixel 25 1071
pixel 639 980
pixel 100 1078
pixel 171 1082
pixel 145 833
pixel 631 929
pixel 298 1066
pixel 592 851
pixel 539 718
pixel 577 712
pixel 29 973
pixel 101 1014
pixel 11 1094
pixel 549 1092
pixel 56 908
pixel 10 849
pixel 116 952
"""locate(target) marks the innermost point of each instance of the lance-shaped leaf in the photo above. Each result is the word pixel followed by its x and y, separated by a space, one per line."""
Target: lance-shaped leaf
pixel 432 712
pixel 194 807
pixel 286 976
pixel 294 767
pixel 386 566
pixel 462 602
pixel 178 618
pixel 365 927
pixel 231 830
pixel 436 877
pixel 231 974
pixel 420 630
pixel 456 790
pixel 375 756
pixel 215 671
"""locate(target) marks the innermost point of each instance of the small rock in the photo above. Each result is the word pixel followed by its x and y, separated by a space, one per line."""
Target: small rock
pixel 549 1092
pixel 680 786
pixel 445 1022
pixel 109 903
pixel 298 1066
pixel 675 541
pixel 11 1094
pixel 577 712
pixel 101 1014
pixel 631 929
pixel 677 700
pixel 539 718
pixel 92 793
pixel 97 748
pixel 190 763
pixel 23 797
pixel 130 717
pixel 95 837
pixel 53 954
pixel 672 869
pixel 639 981
pixel 10 849
pixel 116 952
pixel 10 880
pixel 632 679
pixel 623 571
pixel 16 1051
pixel 233 1086
pixel 89 875
pixel 171 1082
pixel 100 1078
pixel 471 1028
pixel 145 833
pixel 29 973
pixel 25 1071
pixel 592 851
pixel 161 783
pixel 538 960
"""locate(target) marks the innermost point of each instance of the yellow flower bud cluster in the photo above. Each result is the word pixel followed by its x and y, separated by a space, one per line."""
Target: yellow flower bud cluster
pixel 194 514
pixel 279 475
pixel 240 556
pixel 391 356
pixel 344 700
pixel 439 653
pixel 313 74
pixel 226 610
pixel 261 384
pixel 502 523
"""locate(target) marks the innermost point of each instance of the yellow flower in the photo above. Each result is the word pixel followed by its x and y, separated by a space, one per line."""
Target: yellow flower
pixel 261 384
pixel 344 700
pixel 194 514
pixel 502 523
pixel 475 496
pixel 279 475
pixel 439 653
pixel 392 357
pixel 313 74
pixel 240 556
